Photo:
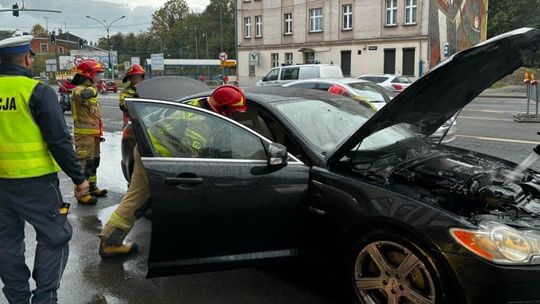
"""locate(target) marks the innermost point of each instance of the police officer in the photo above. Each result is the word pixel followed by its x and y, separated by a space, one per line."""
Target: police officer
pixel 194 136
pixel 88 126
pixel 34 144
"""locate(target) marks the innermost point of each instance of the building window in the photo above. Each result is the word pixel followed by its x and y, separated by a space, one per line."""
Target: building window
pixel 275 60
pixel 347 17
pixel 391 11
pixel 61 49
pixel 43 48
pixel 410 11
pixel 289 58
pixel 258 26
pixel 288 24
pixel 315 20
pixel 247 27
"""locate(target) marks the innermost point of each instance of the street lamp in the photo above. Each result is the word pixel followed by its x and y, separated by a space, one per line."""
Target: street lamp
pixel 107 26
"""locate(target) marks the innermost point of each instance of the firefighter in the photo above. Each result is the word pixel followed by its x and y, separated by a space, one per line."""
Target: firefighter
pixel 195 135
pixel 34 144
pixel 339 90
pixel 135 75
pixel 88 126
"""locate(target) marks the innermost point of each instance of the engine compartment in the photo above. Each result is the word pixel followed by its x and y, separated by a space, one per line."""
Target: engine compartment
pixel 462 183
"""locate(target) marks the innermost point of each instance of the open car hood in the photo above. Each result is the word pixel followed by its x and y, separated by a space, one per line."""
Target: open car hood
pixel 434 98
pixel 170 87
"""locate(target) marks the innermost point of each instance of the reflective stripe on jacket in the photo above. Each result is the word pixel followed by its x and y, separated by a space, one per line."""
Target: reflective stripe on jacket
pixel 23 151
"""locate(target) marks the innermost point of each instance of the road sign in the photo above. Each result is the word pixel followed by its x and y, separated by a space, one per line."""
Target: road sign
pixel 228 63
pixel 136 60
pixel 254 58
pixel 126 65
pixel 50 65
pixel 223 56
pixel 446 49
pixel 77 60
pixel 158 63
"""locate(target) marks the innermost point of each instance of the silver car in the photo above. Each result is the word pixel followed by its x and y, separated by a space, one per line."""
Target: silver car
pixel 394 83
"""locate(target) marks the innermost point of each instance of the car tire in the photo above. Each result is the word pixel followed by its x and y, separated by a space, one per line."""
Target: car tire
pixel 384 266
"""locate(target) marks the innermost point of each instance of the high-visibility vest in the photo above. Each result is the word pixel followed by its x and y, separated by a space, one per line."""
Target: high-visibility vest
pixel 23 151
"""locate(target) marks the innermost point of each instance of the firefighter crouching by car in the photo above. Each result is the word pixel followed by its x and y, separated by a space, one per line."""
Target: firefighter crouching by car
pixel 135 75
pixel 88 126
pixel 192 136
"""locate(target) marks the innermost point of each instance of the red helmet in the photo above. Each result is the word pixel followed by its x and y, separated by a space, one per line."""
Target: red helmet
pixel 338 90
pixel 228 99
pixel 89 68
pixel 134 69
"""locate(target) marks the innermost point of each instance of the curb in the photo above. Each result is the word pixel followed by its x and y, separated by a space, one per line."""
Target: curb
pixel 502 96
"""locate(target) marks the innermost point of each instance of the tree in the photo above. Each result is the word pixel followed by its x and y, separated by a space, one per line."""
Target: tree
pixel 166 18
pixel 5 34
pixel 507 15
pixel 39 31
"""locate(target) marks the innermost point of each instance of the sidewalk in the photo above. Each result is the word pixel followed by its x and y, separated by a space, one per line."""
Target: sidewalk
pixel 509 91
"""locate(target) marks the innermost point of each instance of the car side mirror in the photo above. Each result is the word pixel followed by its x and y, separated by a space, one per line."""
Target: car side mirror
pixel 277 156
pixel 264 78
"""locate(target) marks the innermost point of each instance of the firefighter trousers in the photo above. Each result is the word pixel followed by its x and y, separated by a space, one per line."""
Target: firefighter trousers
pixel 36 201
pixel 134 204
pixel 87 148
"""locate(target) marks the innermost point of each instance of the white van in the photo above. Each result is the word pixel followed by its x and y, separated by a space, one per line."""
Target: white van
pixel 285 74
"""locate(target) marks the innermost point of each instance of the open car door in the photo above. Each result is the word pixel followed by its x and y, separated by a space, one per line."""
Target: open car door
pixel 220 202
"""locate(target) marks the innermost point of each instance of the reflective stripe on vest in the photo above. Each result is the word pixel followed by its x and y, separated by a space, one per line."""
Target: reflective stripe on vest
pixel 23 151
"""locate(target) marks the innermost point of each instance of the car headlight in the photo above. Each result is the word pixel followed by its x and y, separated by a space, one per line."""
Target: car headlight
pixel 500 243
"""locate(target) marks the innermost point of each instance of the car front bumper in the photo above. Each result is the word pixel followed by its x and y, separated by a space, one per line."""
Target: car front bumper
pixel 484 282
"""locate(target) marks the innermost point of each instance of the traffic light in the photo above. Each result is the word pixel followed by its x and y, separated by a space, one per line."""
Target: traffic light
pixel 81 43
pixel 53 37
pixel 110 67
pixel 15 8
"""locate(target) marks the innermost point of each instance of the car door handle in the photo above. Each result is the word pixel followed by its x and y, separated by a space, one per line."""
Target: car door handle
pixel 183 180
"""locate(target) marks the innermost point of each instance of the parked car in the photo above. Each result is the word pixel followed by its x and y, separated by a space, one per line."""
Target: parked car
pixel 45 80
pixel 107 85
pixel 284 74
pixel 406 220
pixel 390 82
pixel 377 95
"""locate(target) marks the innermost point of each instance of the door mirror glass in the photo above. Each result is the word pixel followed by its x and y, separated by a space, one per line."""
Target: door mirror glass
pixel 264 78
pixel 277 156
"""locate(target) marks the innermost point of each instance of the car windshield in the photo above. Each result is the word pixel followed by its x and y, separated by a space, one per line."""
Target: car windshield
pixel 325 123
pixel 369 91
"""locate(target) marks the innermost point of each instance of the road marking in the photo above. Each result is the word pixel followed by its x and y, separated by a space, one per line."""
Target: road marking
pixel 110 107
pixel 516 141
pixel 489 111
pixel 485 118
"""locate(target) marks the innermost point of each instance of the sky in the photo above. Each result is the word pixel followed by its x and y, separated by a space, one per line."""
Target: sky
pixel 73 17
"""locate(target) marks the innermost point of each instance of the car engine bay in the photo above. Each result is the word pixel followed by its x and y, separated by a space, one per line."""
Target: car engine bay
pixel 463 183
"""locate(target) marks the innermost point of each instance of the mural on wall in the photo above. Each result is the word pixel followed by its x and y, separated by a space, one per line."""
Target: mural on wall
pixel 455 25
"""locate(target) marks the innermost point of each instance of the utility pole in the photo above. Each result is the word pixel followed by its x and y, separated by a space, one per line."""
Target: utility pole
pixel 221 26
pixel 196 45
pixel 46 23
pixel 107 26
pixel 205 35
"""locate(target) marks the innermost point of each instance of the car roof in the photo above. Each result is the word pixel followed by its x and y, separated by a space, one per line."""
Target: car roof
pixel 346 80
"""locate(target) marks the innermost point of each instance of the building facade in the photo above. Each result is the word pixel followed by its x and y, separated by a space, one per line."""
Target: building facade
pixel 404 37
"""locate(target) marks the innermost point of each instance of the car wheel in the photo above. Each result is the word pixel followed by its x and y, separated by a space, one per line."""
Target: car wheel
pixel 386 267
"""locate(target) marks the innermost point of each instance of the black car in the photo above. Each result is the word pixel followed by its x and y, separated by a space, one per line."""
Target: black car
pixel 407 220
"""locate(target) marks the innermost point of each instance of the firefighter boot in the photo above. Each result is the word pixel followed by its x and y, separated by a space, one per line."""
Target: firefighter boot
pixel 95 191
pixel 86 199
pixel 107 251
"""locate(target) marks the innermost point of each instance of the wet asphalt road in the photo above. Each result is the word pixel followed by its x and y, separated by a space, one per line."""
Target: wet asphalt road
pixel 486 126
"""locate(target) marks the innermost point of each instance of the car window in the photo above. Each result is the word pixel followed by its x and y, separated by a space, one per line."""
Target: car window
pixel 307 72
pixel 375 79
pixel 305 85
pixel 289 73
pixel 401 79
pixel 272 75
pixel 189 133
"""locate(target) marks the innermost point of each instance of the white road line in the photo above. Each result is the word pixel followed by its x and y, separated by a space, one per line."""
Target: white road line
pixel 490 111
pixel 111 107
pixel 484 118
pixel 516 141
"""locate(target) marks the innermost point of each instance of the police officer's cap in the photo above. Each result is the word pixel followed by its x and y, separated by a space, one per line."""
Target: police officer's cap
pixel 16 45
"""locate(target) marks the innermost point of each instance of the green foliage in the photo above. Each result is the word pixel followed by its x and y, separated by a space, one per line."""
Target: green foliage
pixel 39 31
